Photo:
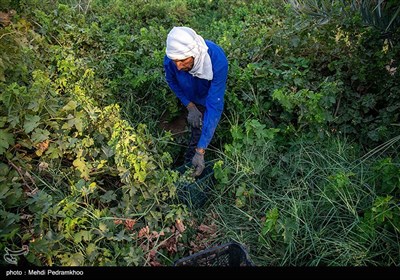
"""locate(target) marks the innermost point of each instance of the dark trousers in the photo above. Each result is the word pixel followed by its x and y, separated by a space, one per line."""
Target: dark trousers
pixel 194 138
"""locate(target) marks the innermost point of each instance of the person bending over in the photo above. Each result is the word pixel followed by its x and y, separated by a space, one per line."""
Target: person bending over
pixel 196 70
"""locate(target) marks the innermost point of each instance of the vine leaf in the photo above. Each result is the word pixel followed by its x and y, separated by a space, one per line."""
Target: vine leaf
pixel 70 106
pixel 31 122
pixel 76 121
pixel 6 139
pixel 40 135
pixel 80 164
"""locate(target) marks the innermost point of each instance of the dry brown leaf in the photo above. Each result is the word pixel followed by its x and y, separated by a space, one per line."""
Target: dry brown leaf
pixel 180 226
pixel 33 192
pixel 155 263
pixel 5 19
pixel 42 147
pixel 144 231
pixel 170 244
pixel 117 221
pixel 214 215
pixel 129 223
pixel 25 216
pixel 206 229
pixel 43 166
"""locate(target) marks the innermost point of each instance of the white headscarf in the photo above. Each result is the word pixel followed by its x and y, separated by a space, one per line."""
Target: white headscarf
pixel 183 42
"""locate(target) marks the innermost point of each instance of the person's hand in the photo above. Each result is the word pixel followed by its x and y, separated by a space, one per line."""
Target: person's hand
pixel 198 163
pixel 194 115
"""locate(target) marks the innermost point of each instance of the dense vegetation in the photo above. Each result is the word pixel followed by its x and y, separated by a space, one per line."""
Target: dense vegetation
pixel 305 158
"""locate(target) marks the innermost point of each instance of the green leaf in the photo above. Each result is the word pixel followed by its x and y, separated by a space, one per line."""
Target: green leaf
pixel 108 196
pixel 39 135
pixel 108 151
pixel 6 139
pixel 13 120
pixel 82 235
pixel 271 219
pixel 121 236
pixel 91 251
pixel 76 259
pixel 3 121
pixel 290 227
pixel 76 121
pixel 103 227
pixel 70 106
pixel 31 122
pixel 91 248
pixel 4 169
pixel 240 190
pixel 2 76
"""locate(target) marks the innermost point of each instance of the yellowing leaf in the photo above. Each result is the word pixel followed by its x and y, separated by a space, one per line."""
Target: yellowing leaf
pixel 70 106
pixel 80 164
pixel 101 164
pixel 91 248
pixel 42 147
pixel 87 142
pixel 103 227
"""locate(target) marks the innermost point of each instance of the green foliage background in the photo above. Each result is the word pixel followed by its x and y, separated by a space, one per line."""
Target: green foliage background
pixel 305 155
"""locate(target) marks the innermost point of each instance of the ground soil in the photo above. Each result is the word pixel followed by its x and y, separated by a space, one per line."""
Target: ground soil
pixel 179 129
pixel 177 125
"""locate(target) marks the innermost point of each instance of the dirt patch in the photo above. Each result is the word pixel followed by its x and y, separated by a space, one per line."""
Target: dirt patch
pixel 180 132
pixel 177 126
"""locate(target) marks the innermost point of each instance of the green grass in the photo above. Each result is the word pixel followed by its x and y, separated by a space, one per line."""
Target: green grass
pixel 320 196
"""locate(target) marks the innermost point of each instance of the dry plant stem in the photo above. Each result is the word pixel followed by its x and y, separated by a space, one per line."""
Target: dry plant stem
pixel 19 170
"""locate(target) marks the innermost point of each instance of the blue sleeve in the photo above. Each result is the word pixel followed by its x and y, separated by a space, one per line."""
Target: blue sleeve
pixel 170 76
pixel 215 97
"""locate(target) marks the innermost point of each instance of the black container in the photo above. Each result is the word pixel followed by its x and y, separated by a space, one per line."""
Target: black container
pixel 229 254
pixel 195 195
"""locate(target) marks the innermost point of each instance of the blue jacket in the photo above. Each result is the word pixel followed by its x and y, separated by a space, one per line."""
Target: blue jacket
pixel 210 94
